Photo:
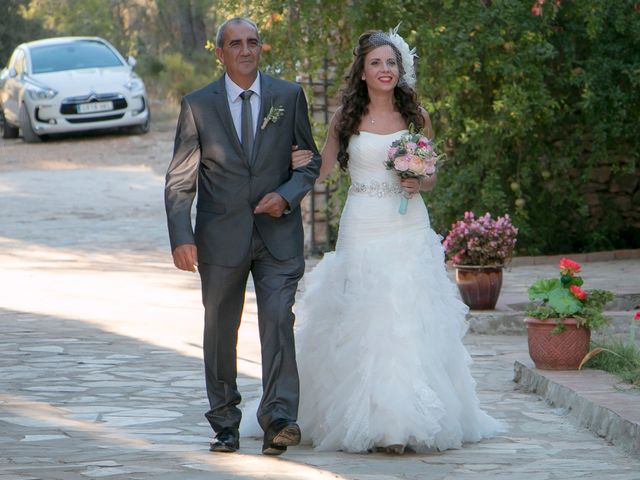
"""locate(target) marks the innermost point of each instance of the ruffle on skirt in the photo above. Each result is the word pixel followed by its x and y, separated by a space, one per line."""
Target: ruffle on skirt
pixel 380 354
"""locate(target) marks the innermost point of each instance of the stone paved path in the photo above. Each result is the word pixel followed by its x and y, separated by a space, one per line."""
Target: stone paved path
pixel 78 401
pixel 100 358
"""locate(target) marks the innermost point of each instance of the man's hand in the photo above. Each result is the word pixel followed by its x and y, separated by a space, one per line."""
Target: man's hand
pixel 272 204
pixel 185 257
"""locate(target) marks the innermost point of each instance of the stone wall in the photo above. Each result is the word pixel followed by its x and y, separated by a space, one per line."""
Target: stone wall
pixel 614 195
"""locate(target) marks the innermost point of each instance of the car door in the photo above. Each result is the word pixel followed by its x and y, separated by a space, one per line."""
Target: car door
pixel 14 86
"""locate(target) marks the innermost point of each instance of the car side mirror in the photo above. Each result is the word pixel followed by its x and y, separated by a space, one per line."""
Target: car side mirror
pixel 132 61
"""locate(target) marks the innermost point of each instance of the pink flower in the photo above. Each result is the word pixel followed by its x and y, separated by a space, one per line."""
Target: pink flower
pixel 402 163
pixel 411 147
pixel 480 241
pixel 578 292
pixel 392 152
pixel 536 8
pixel 637 315
pixel 429 167
pixel 569 267
pixel 416 165
pixel 423 142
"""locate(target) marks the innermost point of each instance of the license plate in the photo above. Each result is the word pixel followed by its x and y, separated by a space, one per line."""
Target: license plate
pixel 95 107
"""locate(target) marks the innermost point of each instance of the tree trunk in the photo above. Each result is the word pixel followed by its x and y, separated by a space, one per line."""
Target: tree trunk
pixel 184 22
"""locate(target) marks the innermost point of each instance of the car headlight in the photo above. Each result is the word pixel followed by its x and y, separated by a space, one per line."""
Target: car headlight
pixel 134 84
pixel 41 93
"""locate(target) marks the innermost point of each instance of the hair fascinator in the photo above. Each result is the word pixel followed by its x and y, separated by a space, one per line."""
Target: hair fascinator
pixel 407 54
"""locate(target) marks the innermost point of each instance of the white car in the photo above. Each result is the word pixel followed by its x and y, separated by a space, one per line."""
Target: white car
pixel 70 84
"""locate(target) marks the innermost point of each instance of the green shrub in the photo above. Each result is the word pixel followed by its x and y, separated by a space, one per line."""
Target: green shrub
pixel 618 357
pixel 173 75
pixel 528 106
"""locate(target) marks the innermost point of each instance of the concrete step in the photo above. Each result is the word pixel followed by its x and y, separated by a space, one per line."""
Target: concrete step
pixel 595 399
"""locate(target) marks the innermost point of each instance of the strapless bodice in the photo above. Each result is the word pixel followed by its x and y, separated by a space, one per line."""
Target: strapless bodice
pixel 367 154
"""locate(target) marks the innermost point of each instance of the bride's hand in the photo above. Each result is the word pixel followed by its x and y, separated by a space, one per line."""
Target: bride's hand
pixel 410 186
pixel 300 158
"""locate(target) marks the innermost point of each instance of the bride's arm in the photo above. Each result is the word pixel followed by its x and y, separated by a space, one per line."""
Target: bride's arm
pixel 427 183
pixel 299 158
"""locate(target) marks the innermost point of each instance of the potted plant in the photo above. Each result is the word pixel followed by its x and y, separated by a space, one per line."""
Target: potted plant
pixel 479 248
pixel 560 323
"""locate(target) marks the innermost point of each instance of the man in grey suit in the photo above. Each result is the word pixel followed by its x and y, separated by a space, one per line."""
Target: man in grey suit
pixel 233 147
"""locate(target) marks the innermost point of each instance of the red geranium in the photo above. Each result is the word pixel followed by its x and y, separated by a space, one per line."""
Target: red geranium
pixel 637 315
pixel 578 292
pixel 569 267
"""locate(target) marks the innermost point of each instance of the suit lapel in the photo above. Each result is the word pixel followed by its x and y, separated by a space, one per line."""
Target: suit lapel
pixel 221 106
pixel 266 103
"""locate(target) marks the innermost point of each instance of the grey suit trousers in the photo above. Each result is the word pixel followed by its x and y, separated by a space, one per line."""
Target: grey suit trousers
pixel 223 290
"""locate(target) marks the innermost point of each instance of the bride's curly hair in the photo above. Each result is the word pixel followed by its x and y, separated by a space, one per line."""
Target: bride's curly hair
pixel 355 96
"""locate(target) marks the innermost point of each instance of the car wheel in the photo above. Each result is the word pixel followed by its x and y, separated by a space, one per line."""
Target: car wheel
pixel 8 130
pixel 144 128
pixel 28 135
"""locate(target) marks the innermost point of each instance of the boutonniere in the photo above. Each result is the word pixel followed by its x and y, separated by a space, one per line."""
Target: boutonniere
pixel 274 114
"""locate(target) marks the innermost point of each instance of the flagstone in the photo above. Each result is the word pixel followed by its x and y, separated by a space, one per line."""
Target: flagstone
pixel 113 421
pixel 41 438
pixel 105 472
pixel 48 348
pixel 134 403
pixel 56 388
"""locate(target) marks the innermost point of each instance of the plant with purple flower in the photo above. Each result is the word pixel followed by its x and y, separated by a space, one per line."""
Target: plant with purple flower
pixel 481 241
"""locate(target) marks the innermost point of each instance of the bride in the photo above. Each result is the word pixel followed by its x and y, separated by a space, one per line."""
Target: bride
pixel 379 337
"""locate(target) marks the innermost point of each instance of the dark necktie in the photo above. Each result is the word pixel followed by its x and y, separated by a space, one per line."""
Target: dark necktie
pixel 247 124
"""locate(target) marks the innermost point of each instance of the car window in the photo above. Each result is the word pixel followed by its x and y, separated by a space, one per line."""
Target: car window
pixel 12 60
pixel 19 62
pixel 73 55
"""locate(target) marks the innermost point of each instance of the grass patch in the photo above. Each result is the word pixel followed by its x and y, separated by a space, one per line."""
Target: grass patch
pixel 619 357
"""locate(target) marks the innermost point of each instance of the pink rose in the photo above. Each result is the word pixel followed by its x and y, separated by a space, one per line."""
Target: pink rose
pixel 411 147
pixel 423 142
pixel 416 165
pixel 392 151
pixel 401 163
pixel 429 167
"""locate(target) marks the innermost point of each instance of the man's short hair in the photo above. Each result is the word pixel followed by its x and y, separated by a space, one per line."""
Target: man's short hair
pixel 234 20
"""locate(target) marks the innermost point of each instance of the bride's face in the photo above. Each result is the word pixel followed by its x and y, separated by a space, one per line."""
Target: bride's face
pixel 381 70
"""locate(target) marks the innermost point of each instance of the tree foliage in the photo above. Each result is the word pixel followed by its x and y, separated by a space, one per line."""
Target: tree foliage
pixel 15 28
pixel 528 96
pixel 528 106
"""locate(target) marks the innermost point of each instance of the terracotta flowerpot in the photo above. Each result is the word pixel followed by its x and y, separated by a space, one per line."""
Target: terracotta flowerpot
pixel 560 351
pixel 479 286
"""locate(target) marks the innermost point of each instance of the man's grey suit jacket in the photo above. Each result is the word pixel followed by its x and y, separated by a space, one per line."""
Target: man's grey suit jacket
pixel 208 156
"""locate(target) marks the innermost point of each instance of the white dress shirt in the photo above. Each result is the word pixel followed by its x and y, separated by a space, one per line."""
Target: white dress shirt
pixel 235 103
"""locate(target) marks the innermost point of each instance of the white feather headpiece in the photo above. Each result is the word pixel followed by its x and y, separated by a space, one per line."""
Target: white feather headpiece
pixel 407 55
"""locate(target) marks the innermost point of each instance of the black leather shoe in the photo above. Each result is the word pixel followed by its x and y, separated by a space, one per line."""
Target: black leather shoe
pixel 280 435
pixel 227 440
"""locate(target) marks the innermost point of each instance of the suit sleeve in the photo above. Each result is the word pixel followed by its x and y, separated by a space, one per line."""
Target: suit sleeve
pixel 181 178
pixel 302 179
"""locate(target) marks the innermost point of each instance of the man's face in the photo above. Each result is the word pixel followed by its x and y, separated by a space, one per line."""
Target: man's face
pixel 240 52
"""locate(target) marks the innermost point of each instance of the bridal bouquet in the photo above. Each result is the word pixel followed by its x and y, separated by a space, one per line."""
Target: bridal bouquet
pixel 412 156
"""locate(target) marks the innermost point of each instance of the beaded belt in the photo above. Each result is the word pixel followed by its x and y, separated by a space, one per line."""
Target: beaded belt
pixel 376 189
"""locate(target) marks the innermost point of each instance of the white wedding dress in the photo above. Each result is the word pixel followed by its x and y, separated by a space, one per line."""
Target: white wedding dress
pixel 379 327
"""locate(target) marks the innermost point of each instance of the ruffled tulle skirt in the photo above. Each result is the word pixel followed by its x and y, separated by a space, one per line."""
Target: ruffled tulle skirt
pixel 379 342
